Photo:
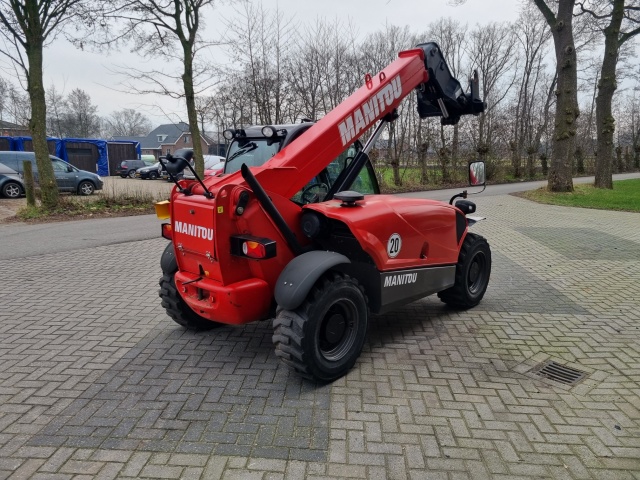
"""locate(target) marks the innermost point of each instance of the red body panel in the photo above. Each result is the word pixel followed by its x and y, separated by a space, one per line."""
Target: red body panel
pixel 427 229
pixel 229 289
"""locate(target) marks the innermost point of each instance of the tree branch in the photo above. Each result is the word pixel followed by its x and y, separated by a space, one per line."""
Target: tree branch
pixel 546 12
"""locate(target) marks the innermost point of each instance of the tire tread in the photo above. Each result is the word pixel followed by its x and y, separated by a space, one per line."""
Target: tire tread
pixel 289 335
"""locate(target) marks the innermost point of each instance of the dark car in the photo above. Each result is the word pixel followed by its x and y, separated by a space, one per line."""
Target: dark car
pixel 151 172
pixel 11 185
pixel 127 168
pixel 68 177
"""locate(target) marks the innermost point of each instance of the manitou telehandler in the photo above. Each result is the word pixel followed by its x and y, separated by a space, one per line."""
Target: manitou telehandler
pixel 295 227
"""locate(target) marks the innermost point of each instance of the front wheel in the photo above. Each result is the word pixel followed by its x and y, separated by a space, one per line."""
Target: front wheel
pixel 472 274
pixel 153 175
pixel 86 188
pixel 323 338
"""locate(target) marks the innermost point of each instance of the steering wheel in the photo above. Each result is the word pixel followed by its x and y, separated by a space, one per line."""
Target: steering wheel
pixel 310 193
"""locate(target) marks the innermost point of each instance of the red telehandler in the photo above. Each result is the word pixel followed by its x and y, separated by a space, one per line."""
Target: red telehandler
pixel 296 228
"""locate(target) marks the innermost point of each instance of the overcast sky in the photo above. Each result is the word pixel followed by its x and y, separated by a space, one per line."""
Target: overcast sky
pixel 69 68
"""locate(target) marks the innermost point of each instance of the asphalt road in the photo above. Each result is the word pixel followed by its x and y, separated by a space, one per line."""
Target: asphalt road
pixel 22 240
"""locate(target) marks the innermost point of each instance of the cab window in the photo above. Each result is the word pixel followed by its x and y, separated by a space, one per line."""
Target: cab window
pixel 318 187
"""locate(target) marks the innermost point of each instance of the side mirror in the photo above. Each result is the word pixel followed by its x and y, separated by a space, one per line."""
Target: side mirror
pixel 175 165
pixel 477 174
pixel 69 169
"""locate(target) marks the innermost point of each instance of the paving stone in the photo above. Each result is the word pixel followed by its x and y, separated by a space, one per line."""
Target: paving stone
pixel 104 387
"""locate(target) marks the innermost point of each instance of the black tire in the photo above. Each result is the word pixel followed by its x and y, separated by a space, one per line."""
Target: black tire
pixel 123 176
pixel 178 309
pixel 11 190
pixel 153 175
pixel 472 274
pixel 323 338
pixel 132 174
pixel 86 188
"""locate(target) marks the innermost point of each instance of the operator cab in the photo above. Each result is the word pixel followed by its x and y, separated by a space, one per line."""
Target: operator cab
pixel 255 145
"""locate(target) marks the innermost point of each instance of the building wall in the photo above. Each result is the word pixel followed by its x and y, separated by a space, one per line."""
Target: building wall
pixel 185 141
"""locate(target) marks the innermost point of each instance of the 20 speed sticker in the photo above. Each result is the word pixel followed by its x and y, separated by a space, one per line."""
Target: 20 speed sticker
pixel 394 245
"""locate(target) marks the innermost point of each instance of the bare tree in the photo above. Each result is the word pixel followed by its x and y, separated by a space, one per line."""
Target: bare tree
pixel 564 136
pixel 533 36
pixel 378 50
pixel 18 106
pixel 205 108
pixel 491 50
pixel 259 40
pixel 56 106
pixel 80 118
pixel 170 29
pixel 127 123
pixel 619 22
pixel 4 91
pixel 28 25
pixel 451 36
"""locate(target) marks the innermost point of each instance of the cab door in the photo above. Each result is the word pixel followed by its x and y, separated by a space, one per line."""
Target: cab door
pixel 65 175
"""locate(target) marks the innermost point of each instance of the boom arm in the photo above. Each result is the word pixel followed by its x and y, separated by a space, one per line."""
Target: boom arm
pixel 421 68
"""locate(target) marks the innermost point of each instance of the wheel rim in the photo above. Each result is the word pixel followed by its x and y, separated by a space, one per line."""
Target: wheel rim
pixel 338 330
pixel 86 189
pixel 477 273
pixel 12 191
pixel 132 174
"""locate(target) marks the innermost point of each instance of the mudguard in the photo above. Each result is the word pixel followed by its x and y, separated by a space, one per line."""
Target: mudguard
pixel 301 273
pixel 168 261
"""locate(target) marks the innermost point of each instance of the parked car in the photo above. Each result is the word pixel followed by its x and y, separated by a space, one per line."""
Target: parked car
pixel 151 172
pixel 213 165
pixel 128 168
pixel 11 185
pixel 68 177
pixel 216 169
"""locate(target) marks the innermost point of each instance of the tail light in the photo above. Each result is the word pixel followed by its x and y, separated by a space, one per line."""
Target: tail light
pixel 167 231
pixel 253 247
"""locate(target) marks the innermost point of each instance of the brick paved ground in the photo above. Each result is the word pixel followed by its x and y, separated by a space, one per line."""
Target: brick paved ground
pixel 97 382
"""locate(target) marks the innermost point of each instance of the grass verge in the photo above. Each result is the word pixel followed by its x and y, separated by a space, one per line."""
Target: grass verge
pixel 625 196
pixel 76 208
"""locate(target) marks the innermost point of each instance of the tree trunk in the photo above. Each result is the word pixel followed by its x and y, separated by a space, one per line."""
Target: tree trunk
pixel 37 125
pixel 605 123
pixel 423 148
pixel 564 133
pixel 29 184
pixel 443 154
pixel 579 160
pixel 619 162
pixel 192 114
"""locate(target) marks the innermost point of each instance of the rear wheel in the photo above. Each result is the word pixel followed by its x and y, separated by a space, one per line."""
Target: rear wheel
pixel 11 190
pixel 323 338
pixel 132 174
pixel 472 274
pixel 178 309
pixel 172 302
pixel 153 175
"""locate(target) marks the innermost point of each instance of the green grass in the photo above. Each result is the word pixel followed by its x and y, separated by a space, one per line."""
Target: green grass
pixel 625 196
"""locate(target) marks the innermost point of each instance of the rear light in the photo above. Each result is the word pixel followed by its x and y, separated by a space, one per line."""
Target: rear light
pixel 167 231
pixel 253 247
